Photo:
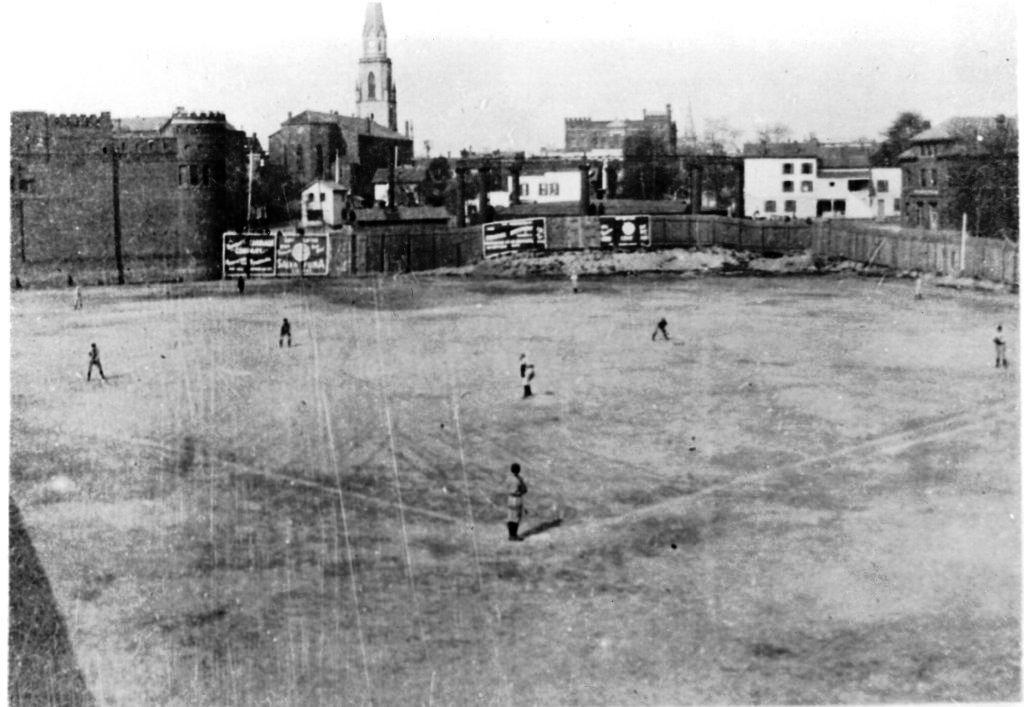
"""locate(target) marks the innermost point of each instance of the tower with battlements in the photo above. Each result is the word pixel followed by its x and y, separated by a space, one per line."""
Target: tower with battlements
pixel 376 97
pixel 175 183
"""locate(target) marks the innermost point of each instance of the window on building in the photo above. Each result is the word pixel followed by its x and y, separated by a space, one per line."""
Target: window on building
pixel 882 186
pixel 839 207
pixel 806 186
pixel 182 175
pixel 935 177
pixel 787 168
pixel 323 196
pixel 554 189
pixel 300 164
pixel 206 175
pixel 807 168
pixel 896 205
pixel 542 189
pixel 193 174
pixel 924 177
pixel 524 189
pixel 789 207
pixel 371 87
pixel 858 184
pixel 787 186
pixel 769 207
pixel 319 167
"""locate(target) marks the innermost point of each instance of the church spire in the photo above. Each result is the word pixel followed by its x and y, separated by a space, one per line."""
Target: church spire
pixel 375 36
pixel 376 96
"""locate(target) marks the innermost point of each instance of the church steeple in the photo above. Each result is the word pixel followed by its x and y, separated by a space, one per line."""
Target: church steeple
pixel 375 35
pixel 375 93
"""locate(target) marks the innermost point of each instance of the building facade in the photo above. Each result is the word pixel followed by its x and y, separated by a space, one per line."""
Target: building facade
pixel 967 167
pixel 317 145
pixel 586 135
pixel 174 183
pixel 818 180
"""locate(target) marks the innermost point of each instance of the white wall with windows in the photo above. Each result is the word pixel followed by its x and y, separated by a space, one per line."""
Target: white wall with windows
pixel 797 188
pixel 548 187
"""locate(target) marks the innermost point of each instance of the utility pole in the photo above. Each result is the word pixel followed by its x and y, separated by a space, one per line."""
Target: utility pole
pixel 115 169
pixel 19 187
pixel 248 196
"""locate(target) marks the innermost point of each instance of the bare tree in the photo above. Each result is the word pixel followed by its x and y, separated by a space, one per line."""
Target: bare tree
pixel 769 134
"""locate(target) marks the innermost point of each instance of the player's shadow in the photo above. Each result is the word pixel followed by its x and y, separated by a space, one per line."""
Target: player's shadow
pixel 541 527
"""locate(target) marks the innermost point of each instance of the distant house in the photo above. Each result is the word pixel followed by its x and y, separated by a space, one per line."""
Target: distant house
pixel 322 204
pixel 934 153
pixel 542 184
pixel 801 180
pixel 408 179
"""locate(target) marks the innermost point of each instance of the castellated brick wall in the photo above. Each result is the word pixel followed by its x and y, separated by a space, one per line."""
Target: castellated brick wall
pixel 179 187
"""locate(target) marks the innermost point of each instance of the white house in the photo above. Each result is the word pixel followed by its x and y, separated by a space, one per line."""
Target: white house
pixel 322 203
pixel 815 180
pixel 548 186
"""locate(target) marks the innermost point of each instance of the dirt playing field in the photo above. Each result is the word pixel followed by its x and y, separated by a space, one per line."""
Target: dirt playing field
pixel 810 494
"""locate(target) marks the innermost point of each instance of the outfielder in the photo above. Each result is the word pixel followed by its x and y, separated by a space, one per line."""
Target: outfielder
pixel 94 360
pixel 515 505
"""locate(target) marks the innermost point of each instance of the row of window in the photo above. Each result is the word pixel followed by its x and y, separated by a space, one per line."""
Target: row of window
pixel 929 178
pixel 543 189
pixel 200 175
pixel 805 168
pixel 804 186
pixel 882 185
pixel 824 206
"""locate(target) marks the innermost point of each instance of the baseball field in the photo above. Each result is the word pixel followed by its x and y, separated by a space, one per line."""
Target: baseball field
pixel 809 494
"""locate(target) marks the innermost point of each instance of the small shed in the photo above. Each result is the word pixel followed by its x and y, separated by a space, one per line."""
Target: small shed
pixel 322 203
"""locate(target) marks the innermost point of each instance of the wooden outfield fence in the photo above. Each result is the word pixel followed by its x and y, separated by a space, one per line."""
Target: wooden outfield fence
pixel 397 248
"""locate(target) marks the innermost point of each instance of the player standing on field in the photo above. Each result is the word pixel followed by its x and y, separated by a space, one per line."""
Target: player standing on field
pixel 1000 342
pixel 94 360
pixel 526 375
pixel 515 505
pixel 286 333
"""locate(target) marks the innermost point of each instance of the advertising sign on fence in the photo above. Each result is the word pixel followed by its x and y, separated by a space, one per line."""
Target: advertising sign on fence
pixel 249 254
pixel 625 231
pixel 515 235
pixel 306 255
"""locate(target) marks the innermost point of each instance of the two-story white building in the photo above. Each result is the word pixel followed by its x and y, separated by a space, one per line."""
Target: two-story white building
pixel 818 180
pixel 322 203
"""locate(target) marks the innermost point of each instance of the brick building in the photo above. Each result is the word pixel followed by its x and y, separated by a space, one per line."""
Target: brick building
pixel 178 183
pixel 583 134
pixel 317 145
pixel 929 197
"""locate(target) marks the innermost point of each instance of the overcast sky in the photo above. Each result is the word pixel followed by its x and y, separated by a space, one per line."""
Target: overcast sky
pixel 506 75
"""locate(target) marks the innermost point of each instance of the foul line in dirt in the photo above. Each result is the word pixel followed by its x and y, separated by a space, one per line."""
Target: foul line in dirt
pixel 242 469
pixel 884 443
